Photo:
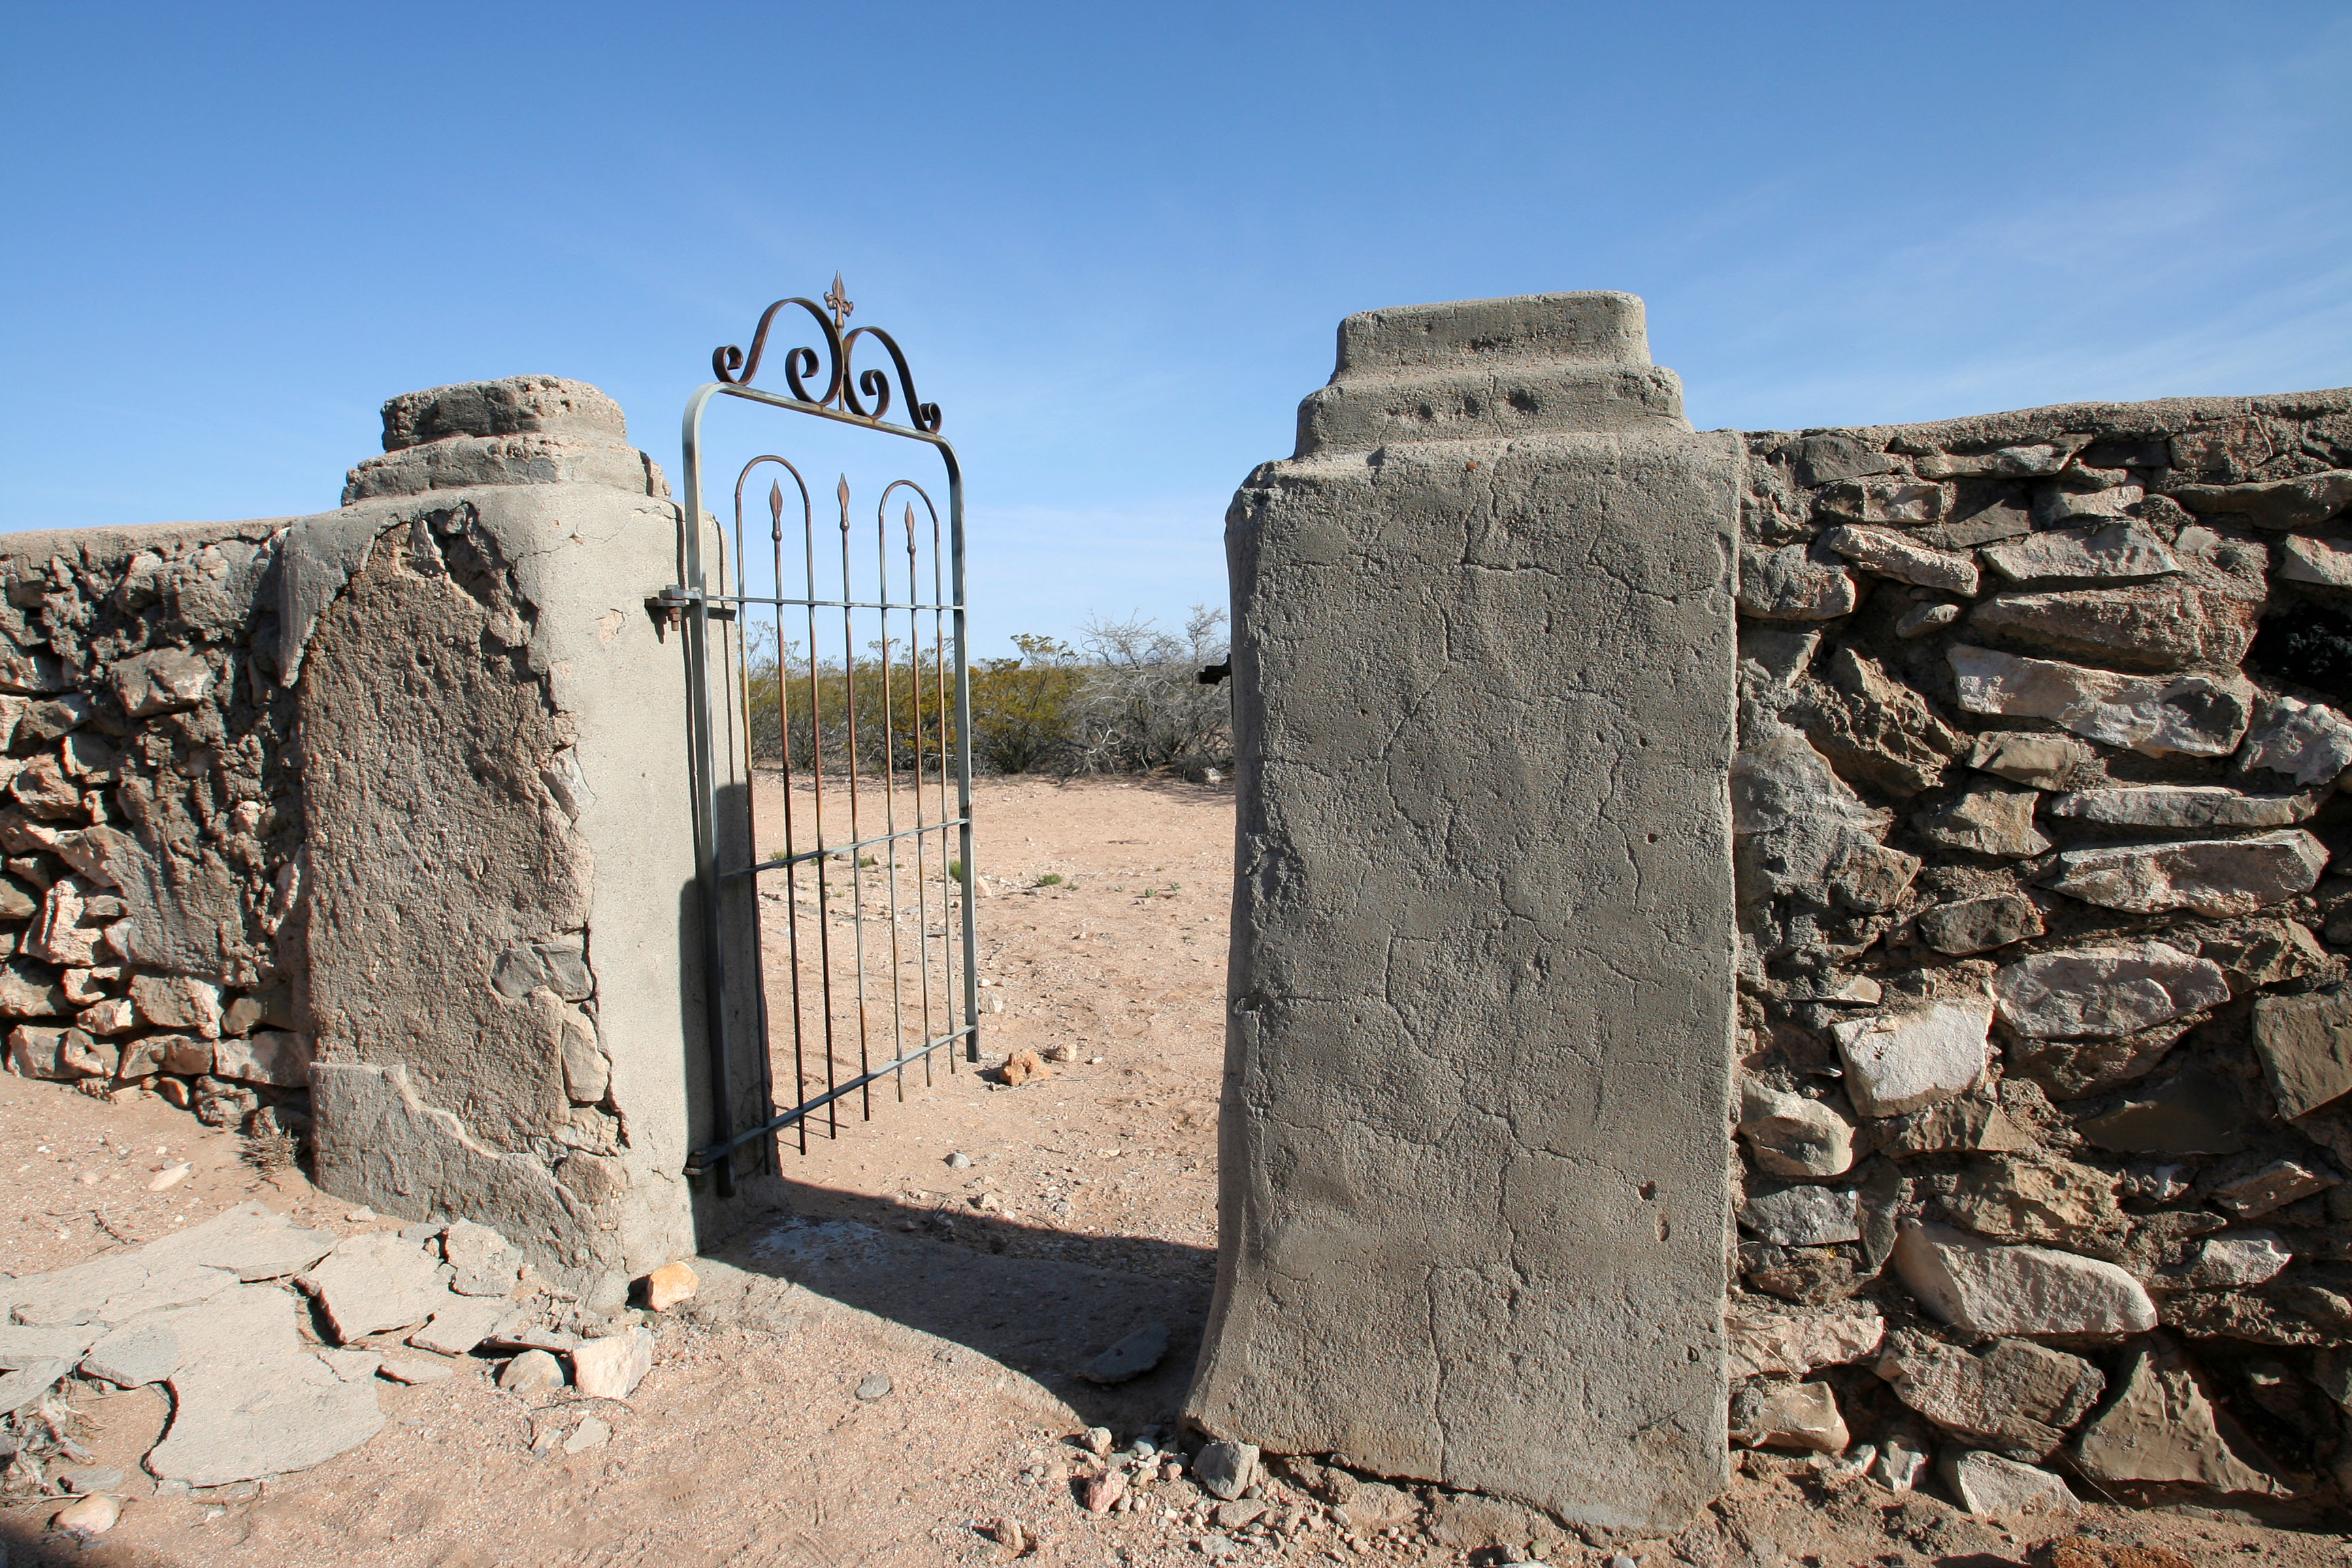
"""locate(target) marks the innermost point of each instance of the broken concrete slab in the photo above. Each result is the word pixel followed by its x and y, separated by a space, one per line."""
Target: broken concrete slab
pixel 1985 1287
pixel 486 1264
pixel 269 1416
pixel 24 1387
pixel 2211 876
pixel 375 1282
pixel 245 1320
pixel 459 1325
pixel 22 1346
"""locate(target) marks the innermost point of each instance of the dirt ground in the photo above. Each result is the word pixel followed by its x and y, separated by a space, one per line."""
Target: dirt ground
pixel 1088 1210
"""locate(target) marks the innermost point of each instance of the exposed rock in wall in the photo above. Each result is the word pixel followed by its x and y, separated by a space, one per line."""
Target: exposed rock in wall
pixel 2083 673
pixel 153 822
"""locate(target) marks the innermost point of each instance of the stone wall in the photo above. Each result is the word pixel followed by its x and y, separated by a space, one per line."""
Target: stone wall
pixel 2043 973
pixel 385 808
pixel 154 823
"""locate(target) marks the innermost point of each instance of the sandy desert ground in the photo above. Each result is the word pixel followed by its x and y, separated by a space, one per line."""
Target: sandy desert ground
pixel 1088 1210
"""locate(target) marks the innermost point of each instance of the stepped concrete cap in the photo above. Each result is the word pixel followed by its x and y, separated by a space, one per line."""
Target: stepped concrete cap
pixel 1597 326
pixel 1536 364
pixel 518 406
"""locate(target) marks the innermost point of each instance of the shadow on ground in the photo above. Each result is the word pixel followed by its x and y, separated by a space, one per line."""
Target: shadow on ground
pixel 1000 1288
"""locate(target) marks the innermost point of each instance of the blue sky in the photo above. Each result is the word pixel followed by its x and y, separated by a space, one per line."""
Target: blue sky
pixel 1114 240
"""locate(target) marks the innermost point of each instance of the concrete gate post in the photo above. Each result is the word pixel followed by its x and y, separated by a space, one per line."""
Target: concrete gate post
pixel 1475 1162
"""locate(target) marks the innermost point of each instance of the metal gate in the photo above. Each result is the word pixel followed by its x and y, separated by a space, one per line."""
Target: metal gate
pixel 855 872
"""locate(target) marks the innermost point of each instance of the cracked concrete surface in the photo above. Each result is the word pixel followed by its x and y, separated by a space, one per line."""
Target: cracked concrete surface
pixel 1474 1171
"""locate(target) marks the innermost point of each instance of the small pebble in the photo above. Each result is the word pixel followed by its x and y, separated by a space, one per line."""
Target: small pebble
pixel 90 1516
pixel 532 1372
pixel 1096 1441
pixel 170 1177
pixel 359 1215
pixel 875 1386
pixel 591 1433
pixel 959 1161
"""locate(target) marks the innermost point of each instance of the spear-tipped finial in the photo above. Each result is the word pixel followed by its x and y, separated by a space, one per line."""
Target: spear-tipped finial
pixel 776 507
pixel 842 490
pixel 838 301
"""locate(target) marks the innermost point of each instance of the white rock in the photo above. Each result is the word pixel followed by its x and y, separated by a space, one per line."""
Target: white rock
pixel 2117 552
pixel 1884 553
pixel 611 1368
pixel 2057 506
pixel 1788 1415
pixel 1803 1216
pixel 1904 1060
pixel 1984 1288
pixel 1920 620
pixel 1763 1340
pixel 1899 1465
pixel 2031 757
pixel 1794 584
pixel 592 1432
pixel 92 1516
pixel 2211 876
pixel 1789 1136
pixel 1985 821
pixel 2105 991
pixel 2162 1427
pixel 1990 1487
pixel 2182 805
pixel 2308 742
pixel 2192 715
pixel 2327 562
pixel 2274 1186
pixel 2233 1261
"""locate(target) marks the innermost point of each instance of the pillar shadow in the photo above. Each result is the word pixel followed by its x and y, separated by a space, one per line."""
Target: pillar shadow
pixel 1040 1301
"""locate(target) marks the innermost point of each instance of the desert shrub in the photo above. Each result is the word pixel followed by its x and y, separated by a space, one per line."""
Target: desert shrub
pixel 1128 699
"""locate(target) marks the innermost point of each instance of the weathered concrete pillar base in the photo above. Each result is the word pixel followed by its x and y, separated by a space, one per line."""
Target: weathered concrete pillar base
pixel 1475 1169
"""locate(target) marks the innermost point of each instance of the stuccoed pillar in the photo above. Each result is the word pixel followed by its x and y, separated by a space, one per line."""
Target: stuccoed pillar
pixel 1473 1207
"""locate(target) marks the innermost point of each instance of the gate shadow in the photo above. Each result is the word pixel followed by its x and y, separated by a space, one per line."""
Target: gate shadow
pixel 1041 1302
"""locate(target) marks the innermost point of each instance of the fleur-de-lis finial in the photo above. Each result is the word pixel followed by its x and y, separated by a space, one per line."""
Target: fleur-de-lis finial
pixel 838 302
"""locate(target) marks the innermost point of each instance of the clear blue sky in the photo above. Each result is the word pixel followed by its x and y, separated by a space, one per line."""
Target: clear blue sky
pixel 1116 239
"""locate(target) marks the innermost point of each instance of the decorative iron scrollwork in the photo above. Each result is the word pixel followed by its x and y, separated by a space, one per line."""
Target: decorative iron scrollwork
pixel 865 395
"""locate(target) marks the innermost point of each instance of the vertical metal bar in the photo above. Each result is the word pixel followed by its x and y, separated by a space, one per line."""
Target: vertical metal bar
pixel 816 811
pixel 784 787
pixel 922 885
pixel 963 753
pixel 705 796
pixel 947 856
pixel 856 872
pixel 890 784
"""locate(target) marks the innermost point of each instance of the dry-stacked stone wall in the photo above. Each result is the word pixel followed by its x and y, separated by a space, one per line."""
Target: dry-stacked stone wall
pixel 2043 980
pixel 153 822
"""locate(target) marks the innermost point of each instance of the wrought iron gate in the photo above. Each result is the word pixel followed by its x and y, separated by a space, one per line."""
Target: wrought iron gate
pixel 861 833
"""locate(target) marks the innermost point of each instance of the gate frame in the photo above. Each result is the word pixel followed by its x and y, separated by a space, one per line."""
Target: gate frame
pixel 841 403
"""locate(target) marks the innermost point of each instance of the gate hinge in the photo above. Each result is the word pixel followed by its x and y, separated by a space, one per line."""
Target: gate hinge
pixel 667 606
